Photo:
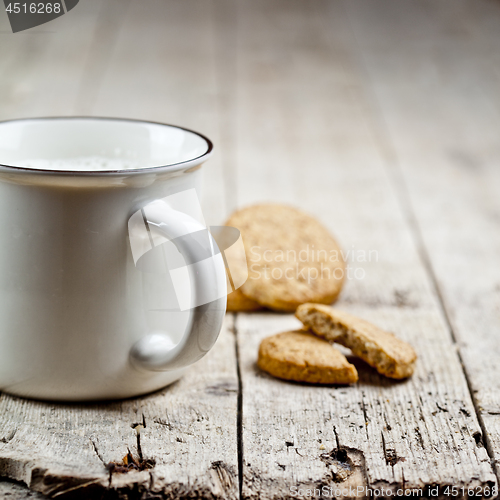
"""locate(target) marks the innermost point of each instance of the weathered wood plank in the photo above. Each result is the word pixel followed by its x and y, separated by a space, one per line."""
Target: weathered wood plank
pixel 165 61
pixel 15 491
pixel 116 51
pixel 188 429
pixel 111 16
pixel 442 120
pixel 304 137
pixel 225 18
pixel 297 126
pixel 42 68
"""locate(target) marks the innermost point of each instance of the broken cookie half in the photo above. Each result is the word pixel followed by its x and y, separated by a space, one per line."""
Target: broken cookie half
pixel 382 350
pixel 301 356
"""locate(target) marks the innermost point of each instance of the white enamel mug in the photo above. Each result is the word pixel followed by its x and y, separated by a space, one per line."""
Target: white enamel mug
pixel 110 283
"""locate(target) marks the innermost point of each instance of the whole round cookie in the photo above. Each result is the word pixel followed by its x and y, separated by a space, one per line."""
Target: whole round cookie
pixel 291 257
pixel 303 357
pixel 237 302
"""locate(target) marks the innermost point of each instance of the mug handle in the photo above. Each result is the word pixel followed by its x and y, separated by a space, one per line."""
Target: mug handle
pixel 156 351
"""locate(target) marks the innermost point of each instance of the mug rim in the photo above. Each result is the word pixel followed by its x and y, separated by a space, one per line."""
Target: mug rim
pixel 171 167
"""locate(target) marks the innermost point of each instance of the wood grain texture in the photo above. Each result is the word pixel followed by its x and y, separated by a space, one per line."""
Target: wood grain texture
pixel 15 491
pixel 188 429
pixel 42 68
pixel 380 119
pixel 322 154
pixel 164 69
pixel 92 64
pixel 439 119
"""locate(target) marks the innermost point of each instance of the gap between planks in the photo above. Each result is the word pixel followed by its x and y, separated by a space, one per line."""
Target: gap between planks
pixel 239 416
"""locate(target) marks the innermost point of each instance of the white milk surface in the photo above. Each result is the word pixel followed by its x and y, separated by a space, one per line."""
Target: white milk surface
pixel 84 163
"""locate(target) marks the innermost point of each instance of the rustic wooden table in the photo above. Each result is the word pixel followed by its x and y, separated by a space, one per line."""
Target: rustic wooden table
pixel 380 118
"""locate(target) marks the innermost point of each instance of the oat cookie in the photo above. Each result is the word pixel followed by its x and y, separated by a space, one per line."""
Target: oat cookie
pixel 389 355
pixel 237 302
pixel 291 257
pixel 303 357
